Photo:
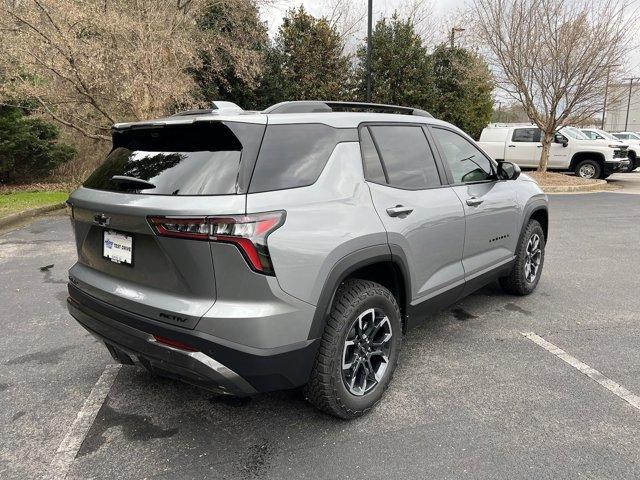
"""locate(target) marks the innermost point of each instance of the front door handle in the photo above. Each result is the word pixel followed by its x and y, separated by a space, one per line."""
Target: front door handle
pixel 399 211
pixel 474 201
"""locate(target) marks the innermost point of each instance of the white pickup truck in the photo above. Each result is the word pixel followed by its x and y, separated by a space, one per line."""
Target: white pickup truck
pixel 571 150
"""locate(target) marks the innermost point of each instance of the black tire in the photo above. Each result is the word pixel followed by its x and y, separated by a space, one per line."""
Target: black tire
pixel 588 169
pixel 327 388
pixel 632 164
pixel 517 282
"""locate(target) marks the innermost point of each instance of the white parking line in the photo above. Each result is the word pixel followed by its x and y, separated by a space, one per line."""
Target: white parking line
pixel 592 373
pixel 71 443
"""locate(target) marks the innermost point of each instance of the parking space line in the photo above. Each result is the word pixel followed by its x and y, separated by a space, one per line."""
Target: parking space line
pixel 71 443
pixel 592 373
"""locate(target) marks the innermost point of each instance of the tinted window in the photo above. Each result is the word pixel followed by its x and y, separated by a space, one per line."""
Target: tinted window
pixel 621 136
pixel 526 135
pixel 293 156
pixel 466 162
pixel 372 167
pixel 407 157
pixel 198 159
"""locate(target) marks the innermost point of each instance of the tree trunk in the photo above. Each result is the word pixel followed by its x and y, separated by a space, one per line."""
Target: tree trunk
pixel 547 139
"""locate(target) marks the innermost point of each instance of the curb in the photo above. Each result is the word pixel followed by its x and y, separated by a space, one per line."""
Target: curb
pixel 589 187
pixel 14 218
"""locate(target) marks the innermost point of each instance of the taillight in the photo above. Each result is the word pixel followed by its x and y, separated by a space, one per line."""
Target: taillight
pixel 247 232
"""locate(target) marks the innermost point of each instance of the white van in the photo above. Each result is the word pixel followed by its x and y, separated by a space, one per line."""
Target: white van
pixel 571 150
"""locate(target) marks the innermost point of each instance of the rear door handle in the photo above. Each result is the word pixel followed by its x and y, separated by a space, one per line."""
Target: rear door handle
pixel 511 146
pixel 474 201
pixel 399 211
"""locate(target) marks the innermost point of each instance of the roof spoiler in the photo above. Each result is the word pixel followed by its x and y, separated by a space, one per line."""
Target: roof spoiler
pixel 321 106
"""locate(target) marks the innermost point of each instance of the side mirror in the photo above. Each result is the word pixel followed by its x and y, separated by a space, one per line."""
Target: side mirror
pixel 558 138
pixel 508 171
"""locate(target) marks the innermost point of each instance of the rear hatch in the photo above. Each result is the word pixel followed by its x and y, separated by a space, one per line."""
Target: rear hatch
pixel 189 170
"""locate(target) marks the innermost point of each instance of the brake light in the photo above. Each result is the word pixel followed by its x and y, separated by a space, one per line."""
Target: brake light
pixel 247 232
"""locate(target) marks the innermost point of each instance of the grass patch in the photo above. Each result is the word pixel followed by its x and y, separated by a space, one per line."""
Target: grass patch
pixel 20 201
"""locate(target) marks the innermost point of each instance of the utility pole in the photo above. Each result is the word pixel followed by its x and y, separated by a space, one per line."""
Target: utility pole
pixel 626 122
pixel 606 91
pixel 369 31
pixel 452 37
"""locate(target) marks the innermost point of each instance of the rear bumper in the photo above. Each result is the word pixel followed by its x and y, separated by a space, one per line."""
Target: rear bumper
pixel 217 364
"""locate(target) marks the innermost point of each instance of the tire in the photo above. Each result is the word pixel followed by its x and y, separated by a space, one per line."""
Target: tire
pixel 588 169
pixel 328 387
pixel 519 281
pixel 632 164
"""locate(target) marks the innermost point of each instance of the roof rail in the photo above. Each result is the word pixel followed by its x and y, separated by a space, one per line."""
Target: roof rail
pixel 318 106
pixel 218 107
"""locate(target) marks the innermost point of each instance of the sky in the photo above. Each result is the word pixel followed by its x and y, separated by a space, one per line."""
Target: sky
pixel 273 15
pixel 441 8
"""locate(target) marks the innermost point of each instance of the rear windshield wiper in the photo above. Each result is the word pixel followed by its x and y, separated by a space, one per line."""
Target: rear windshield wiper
pixel 131 183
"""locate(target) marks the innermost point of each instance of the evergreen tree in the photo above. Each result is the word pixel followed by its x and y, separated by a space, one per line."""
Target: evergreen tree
pixel 218 78
pixel 462 90
pixel 306 62
pixel 29 147
pixel 399 65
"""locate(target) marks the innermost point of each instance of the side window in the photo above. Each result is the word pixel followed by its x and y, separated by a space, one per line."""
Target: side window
pixel 372 167
pixel 407 157
pixel 292 156
pixel 466 162
pixel 622 136
pixel 526 135
pixel 591 135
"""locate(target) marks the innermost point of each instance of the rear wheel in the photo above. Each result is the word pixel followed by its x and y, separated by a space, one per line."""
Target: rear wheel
pixel 526 271
pixel 358 351
pixel 588 169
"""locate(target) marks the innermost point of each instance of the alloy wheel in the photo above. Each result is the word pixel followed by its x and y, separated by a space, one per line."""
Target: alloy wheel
pixel 533 258
pixel 366 352
pixel 587 171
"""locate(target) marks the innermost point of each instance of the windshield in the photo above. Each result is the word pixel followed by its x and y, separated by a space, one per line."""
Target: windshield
pixel 607 135
pixel 574 133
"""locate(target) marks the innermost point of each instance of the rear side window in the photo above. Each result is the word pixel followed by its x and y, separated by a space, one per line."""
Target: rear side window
pixel 406 156
pixel 526 135
pixel 373 171
pixel 197 159
pixel 294 155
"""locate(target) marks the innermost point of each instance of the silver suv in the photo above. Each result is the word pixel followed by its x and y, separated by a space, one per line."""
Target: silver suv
pixel 248 252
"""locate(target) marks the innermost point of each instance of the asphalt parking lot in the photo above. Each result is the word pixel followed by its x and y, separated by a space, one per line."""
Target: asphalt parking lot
pixel 472 398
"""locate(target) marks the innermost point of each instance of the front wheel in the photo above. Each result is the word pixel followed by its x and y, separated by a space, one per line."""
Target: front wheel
pixel 358 351
pixel 526 271
pixel 588 169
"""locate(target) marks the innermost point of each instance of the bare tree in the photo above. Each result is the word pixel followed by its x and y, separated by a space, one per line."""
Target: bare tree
pixel 91 63
pixel 554 56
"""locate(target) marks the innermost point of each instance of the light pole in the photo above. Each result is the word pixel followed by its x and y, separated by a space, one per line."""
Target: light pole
pixel 626 121
pixel 453 35
pixel 369 29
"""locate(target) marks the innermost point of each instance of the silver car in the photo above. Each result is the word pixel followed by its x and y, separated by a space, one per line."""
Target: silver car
pixel 247 252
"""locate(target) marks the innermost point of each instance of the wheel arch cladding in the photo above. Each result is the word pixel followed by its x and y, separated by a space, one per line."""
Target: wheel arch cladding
pixel 536 210
pixel 379 264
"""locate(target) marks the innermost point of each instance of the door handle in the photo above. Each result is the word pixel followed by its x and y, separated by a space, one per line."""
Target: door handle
pixel 538 146
pixel 474 201
pixel 399 211
pixel 511 146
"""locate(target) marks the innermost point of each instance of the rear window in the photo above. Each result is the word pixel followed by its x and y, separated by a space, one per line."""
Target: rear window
pixel 294 155
pixel 196 159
